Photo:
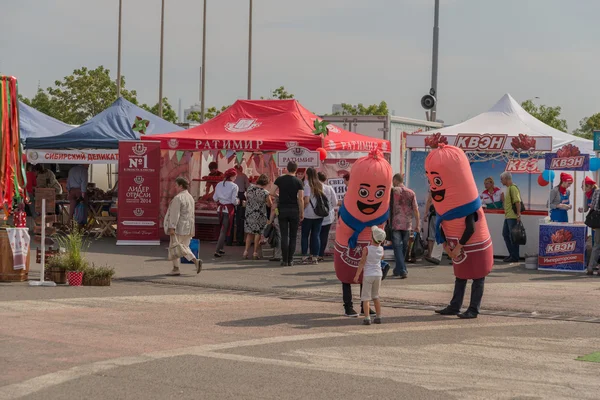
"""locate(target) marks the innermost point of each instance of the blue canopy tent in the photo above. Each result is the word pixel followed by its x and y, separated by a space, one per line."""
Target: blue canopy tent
pixel 123 120
pixel 33 123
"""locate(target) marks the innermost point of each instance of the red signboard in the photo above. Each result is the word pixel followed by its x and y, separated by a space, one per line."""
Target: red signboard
pixel 523 166
pixel 139 193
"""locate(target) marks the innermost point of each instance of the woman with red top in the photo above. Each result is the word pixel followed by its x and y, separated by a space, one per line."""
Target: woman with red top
pixel 559 201
pixel 491 197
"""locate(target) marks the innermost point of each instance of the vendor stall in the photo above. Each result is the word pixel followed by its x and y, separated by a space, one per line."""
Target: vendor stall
pixel 506 138
pixel 96 142
pixel 261 136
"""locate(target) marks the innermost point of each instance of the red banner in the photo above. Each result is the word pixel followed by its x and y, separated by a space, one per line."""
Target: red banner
pixel 139 193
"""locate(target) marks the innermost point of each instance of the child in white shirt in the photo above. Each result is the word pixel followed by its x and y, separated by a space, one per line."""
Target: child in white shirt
pixel 371 264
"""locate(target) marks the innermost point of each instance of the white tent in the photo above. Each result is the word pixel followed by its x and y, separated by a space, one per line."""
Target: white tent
pixel 508 117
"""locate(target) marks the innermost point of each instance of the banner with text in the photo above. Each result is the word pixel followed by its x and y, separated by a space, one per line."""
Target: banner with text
pixel 562 247
pixel 139 193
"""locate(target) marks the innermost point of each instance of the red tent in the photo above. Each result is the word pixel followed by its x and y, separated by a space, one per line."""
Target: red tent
pixel 255 125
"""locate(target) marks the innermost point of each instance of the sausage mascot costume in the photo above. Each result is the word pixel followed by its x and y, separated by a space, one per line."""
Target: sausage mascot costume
pixel 366 204
pixel 460 224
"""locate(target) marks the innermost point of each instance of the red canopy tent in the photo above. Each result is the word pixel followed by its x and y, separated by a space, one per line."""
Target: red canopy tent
pixel 255 125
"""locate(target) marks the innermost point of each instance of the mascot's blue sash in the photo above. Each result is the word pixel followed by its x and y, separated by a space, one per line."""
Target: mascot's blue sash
pixel 455 213
pixel 358 226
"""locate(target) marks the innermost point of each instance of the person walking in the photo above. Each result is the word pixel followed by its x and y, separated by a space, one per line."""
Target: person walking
pixel 243 183
pixel 179 224
pixel 512 214
pixel 77 181
pixel 370 263
pixel 329 193
pixel 311 225
pixel 225 196
pixel 257 201
pixel 429 218
pixel 594 205
pixel 275 236
pixel 290 211
pixel 405 209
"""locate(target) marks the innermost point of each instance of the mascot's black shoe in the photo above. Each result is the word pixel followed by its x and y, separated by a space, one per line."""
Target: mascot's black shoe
pixel 349 312
pixel 467 315
pixel 447 311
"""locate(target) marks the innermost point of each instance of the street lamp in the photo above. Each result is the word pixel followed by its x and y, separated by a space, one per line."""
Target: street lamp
pixel 119 50
pixel 250 53
pixel 162 40
pixel 203 64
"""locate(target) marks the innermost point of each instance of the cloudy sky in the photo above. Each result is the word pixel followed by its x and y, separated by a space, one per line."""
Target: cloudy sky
pixel 323 51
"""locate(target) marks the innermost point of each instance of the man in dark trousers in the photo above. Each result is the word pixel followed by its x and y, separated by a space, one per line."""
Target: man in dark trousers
pixel 290 211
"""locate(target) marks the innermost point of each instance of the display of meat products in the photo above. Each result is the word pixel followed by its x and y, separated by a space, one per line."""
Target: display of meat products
pixel 561 236
pixel 434 140
pixel 523 142
pixel 568 151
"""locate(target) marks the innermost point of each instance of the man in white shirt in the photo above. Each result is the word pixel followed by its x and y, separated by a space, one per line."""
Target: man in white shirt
pixel 226 196
pixel 329 192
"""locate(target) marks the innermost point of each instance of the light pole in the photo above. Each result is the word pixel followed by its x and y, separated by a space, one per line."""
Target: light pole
pixel 119 51
pixel 162 40
pixel 250 53
pixel 434 66
pixel 203 64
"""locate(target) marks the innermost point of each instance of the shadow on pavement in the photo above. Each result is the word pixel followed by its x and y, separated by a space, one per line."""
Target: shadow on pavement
pixel 310 321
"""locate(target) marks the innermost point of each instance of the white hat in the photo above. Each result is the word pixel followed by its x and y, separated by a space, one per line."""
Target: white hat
pixel 378 234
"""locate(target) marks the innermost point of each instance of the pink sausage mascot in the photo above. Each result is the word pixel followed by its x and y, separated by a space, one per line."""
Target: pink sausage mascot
pixel 460 224
pixel 366 204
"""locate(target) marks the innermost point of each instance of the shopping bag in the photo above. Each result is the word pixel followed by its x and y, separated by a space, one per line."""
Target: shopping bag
pixel 176 249
pixel 518 234
pixel 418 250
pixel 80 214
pixel 437 252
pixel 195 248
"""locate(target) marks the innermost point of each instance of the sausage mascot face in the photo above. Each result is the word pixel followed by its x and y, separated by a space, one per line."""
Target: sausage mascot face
pixel 455 198
pixel 366 204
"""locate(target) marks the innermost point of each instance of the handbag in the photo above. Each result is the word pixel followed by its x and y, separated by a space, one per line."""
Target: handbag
pixel 417 249
pixel 176 249
pixel 593 219
pixel 514 206
pixel 518 234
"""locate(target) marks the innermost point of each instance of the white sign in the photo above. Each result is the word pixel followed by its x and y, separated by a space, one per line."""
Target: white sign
pixel 300 155
pixel 73 156
pixel 339 186
pixel 487 142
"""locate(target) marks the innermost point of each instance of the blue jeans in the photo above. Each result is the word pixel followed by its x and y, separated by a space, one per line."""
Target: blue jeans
pixel 513 249
pixel 311 228
pixel 400 245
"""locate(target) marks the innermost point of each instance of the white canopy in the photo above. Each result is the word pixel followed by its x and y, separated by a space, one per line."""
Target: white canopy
pixel 508 117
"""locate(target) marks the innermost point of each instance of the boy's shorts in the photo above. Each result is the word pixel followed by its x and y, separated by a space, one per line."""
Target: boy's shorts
pixel 370 289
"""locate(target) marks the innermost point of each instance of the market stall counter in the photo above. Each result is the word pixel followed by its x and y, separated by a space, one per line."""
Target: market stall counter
pixel 562 246
pixel 531 222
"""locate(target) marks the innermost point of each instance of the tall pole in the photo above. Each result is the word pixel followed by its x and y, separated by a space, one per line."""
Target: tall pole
pixel 203 64
pixel 434 66
pixel 119 50
pixel 162 42
pixel 250 53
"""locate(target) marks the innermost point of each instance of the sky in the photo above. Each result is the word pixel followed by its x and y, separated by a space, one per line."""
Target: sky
pixel 322 51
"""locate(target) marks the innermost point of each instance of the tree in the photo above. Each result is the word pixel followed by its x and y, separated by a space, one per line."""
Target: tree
pixel 587 126
pixel 168 113
pixel 280 94
pixel 547 114
pixel 86 93
pixel 43 103
pixel 360 109
pixel 210 113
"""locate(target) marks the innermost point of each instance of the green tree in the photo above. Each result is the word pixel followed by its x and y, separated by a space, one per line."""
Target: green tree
pixel 360 109
pixel 280 94
pixel 85 93
pixel 43 103
pixel 210 113
pixel 587 126
pixel 547 114
pixel 168 113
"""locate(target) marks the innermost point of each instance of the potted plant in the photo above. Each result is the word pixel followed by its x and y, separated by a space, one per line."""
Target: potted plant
pixel 75 245
pixel 56 269
pixel 98 276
